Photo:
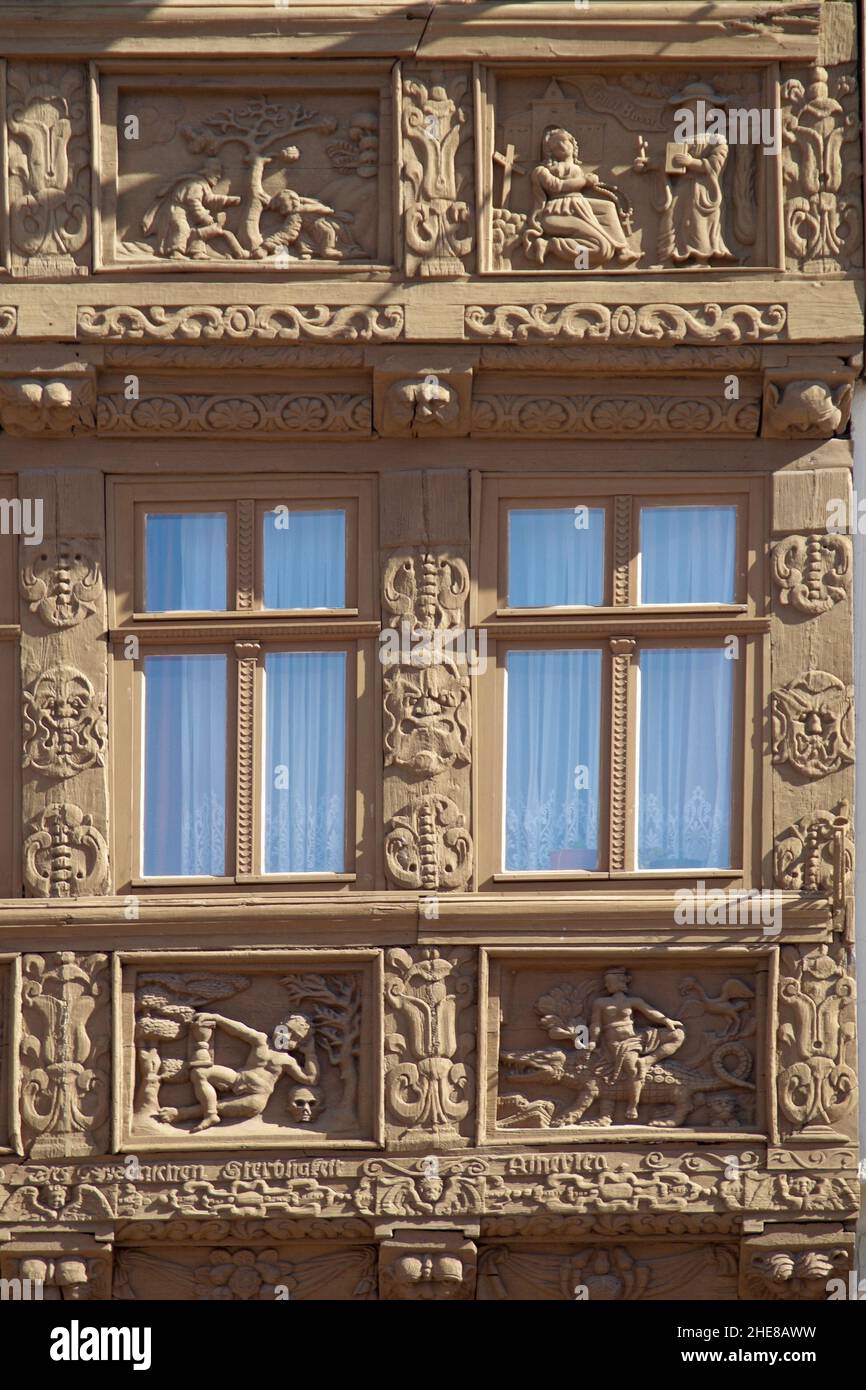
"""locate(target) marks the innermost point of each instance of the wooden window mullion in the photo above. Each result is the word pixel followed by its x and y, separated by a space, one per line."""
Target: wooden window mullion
pixel 248 654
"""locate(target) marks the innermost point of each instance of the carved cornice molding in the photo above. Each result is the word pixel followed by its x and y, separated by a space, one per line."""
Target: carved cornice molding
pixel 314 414
pixel 427 32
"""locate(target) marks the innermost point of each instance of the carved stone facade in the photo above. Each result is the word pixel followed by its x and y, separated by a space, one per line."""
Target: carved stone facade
pixel 411 1069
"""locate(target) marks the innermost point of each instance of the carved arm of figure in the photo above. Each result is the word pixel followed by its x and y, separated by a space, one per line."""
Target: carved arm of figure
pixel 308 1073
pixel 654 1016
pixel 235 1029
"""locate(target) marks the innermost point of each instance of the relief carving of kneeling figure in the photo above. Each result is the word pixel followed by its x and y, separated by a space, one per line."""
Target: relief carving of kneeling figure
pixel 573 211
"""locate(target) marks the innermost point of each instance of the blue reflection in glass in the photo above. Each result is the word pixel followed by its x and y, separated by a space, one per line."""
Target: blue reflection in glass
pixel 552 768
pixel 184 765
pixel 185 562
pixel 305 762
pixel 305 559
pixel 688 554
pixel 555 557
pixel 686 730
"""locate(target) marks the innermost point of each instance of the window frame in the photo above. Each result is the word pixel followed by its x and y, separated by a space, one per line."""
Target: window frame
pixel 622 629
pixel 245 635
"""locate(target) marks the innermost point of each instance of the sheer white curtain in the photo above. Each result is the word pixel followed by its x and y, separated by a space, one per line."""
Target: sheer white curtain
pixel 555 557
pixel 305 762
pixel 305 559
pixel 185 560
pixel 684 792
pixel 688 554
pixel 552 759
pixel 184 765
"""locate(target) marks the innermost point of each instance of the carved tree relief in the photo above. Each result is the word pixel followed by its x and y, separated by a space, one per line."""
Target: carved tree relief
pixel 821 170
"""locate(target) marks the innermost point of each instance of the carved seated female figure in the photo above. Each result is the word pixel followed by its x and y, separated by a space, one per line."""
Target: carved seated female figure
pixel 572 211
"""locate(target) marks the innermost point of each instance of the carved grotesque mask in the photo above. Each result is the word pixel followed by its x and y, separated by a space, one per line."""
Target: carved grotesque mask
pixel 427 710
pixel 64 723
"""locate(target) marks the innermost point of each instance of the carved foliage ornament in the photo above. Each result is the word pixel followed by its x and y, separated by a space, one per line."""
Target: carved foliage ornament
pixel 427 1085
pixel 643 323
pixel 63 582
pixel 436 221
pixel 65 856
pixel 812 572
pixel 64 1053
pixel 65 729
pixel 427 588
pixel 816 854
pixel 48 161
pixel 817 1083
pixel 205 322
pixel 820 168
pixel 813 724
pixel 428 846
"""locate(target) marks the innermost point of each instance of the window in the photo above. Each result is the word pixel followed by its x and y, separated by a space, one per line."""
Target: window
pixel 244 626
pixel 625 629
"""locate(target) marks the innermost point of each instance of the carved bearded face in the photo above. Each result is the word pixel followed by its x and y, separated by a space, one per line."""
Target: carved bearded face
pixel 64 723
pixel 427 709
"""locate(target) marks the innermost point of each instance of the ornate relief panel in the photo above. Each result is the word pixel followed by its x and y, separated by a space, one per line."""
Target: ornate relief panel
pixel 48 134
pixel 249 1048
pixel 65 1054
pixel 622 170
pixel 292 177
pixel 604 1272
pixel 237 1274
pixel 604 1045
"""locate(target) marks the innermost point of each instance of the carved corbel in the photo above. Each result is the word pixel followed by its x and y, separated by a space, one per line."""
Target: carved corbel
pixel 797 1263
pixel 427 1265
pixel 59 1267
pixel 48 405
pixel 431 400
pixel 806 407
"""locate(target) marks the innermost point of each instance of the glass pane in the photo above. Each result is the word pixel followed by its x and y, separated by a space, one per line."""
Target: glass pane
pixel 686 722
pixel 305 762
pixel 305 559
pixel 555 557
pixel 552 767
pixel 688 554
pixel 185 561
pixel 184 765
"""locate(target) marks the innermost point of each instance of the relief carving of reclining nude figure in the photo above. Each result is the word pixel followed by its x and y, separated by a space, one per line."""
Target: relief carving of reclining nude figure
pixel 198 1070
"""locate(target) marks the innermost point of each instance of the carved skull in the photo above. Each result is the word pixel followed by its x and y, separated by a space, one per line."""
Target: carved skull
pixel 304 1105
